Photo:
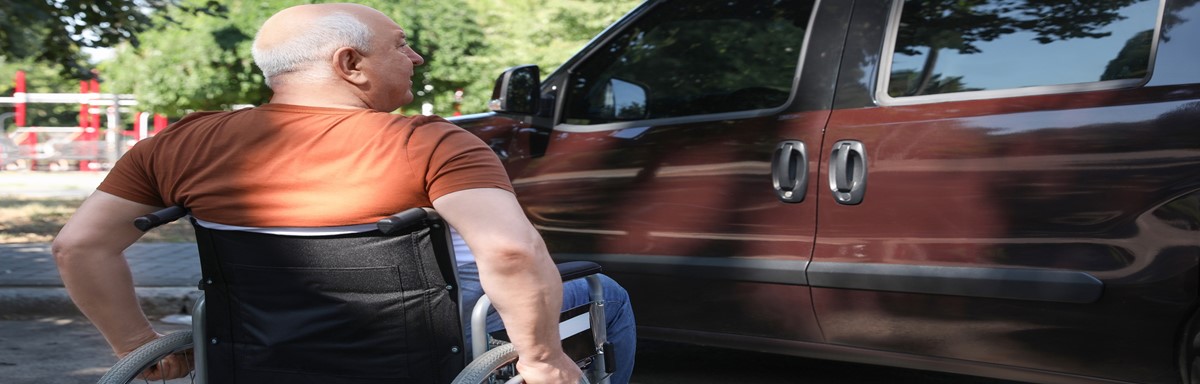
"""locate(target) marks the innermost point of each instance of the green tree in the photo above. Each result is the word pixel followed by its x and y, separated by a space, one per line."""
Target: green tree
pixel 202 62
pixel 543 32
pixel 469 42
pixel 446 34
pixel 55 31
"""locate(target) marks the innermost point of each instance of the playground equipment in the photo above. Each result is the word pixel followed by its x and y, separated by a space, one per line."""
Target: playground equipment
pixel 83 144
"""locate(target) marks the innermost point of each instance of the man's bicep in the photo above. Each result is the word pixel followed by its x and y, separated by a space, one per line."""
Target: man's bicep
pixel 485 216
pixel 103 221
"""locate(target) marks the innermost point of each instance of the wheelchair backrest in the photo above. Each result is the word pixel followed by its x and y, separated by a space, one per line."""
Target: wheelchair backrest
pixel 368 307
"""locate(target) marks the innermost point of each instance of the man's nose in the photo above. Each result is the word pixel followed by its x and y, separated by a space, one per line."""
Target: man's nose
pixel 415 57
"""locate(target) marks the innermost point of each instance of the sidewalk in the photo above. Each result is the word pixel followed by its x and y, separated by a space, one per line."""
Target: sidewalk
pixel 165 276
pixel 48 184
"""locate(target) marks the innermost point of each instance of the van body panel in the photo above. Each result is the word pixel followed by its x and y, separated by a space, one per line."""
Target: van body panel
pixel 1048 233
pixel 1061 184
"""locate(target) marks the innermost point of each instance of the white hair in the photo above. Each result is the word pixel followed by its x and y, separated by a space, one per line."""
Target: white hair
pixel 314 44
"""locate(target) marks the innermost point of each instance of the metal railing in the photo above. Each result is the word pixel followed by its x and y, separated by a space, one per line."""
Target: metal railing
pixel 57 144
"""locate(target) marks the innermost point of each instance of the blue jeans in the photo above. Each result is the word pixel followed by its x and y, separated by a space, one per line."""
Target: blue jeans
pixel 618 312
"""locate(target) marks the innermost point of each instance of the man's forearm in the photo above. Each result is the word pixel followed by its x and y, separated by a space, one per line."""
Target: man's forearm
pixel 88 253
pixel 527 292
pixel 102 287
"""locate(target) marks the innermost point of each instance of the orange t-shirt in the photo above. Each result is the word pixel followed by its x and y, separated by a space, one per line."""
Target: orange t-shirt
pixel 295 166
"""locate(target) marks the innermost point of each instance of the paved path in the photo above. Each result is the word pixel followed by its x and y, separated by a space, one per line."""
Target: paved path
pixel 153 265
pixel 164 274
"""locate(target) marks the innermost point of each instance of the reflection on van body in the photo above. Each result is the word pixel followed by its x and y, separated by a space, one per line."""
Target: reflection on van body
pixel 1030 202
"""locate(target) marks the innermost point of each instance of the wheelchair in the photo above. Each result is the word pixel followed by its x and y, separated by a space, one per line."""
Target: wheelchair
pixel 365 307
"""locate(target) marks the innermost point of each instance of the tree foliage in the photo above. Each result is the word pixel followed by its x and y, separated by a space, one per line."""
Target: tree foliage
pixel 55 31
pixel 455 51
pixel 203 62
pixel 959 25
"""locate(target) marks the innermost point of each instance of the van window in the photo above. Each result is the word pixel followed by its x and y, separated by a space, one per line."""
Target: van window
pixel 692 57
pixel 953 46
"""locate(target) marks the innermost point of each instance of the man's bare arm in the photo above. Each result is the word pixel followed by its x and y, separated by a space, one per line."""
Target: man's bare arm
pixel 518 276
pixel 88 251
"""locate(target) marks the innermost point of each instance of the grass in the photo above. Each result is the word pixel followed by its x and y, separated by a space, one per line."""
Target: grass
pixel 38 220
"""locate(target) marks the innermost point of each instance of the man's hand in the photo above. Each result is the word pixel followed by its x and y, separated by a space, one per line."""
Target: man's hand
pixel 558 371
pixel 171 367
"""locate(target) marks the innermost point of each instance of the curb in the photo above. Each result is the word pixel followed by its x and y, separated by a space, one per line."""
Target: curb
pixel 32 302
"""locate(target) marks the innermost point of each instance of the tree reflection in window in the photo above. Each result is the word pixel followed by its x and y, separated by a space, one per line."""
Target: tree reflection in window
pixel 947 46
pixel 692 57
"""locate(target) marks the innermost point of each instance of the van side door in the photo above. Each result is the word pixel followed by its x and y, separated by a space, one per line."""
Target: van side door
pixel 659 165
pixel 1027 193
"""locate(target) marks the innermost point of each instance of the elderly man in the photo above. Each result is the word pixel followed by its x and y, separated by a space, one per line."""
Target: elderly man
pixel 326 153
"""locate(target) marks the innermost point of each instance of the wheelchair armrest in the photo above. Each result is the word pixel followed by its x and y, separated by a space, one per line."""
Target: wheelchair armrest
pixel 159 217
pixel 572 270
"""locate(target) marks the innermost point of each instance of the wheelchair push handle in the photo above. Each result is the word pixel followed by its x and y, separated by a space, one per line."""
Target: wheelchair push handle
pixel 399 222
pixel 160 217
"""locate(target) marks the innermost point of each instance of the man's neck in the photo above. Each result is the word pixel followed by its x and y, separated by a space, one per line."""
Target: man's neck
pixel 316 95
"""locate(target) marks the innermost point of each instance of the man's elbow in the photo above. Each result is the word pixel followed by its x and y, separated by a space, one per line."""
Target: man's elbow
pixel 512 255
pixel 66 251
pixel 62 251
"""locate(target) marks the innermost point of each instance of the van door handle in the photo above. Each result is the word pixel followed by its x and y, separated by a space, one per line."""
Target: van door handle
pixel 789 171
pixel 848 172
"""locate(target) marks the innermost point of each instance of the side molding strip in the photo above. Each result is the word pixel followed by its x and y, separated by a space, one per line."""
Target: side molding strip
pixel 722 268
pixel 1032 284
pixel 1002 283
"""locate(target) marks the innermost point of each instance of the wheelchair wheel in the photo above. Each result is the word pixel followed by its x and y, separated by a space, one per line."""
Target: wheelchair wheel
pixel 127 369
pixel 498 365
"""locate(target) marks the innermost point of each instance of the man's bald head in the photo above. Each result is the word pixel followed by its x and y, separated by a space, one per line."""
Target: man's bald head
pixel 297 42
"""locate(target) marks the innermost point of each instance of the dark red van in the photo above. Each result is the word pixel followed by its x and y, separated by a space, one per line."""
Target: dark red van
pixel 1003 188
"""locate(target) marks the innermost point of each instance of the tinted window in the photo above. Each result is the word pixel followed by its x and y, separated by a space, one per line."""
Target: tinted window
pixel 947 46
pixel 690 58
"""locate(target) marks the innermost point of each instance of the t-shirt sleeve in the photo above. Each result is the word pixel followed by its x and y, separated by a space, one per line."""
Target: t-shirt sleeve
pixel 130 179
pixel 454 160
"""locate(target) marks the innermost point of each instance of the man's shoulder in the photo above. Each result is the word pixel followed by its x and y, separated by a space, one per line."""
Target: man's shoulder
pixel 411 127
pixel 421 120
pixel 204 115
pixel 413 121
pixel 196 118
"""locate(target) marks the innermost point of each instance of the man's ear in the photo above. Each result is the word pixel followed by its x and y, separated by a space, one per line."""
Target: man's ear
pixel 347 64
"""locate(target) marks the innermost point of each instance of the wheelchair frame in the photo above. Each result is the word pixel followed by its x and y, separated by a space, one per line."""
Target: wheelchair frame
pixel 483 361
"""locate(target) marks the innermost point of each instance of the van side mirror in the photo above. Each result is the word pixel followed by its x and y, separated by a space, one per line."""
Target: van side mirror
pixel 517 90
